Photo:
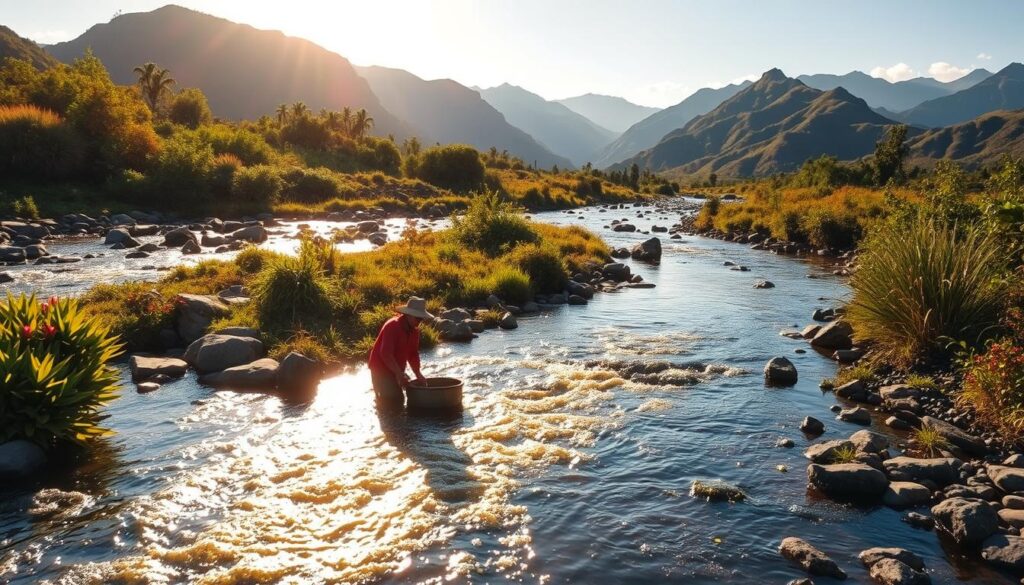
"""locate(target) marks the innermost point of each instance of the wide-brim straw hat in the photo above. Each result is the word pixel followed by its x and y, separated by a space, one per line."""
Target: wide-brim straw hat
pixel 416 307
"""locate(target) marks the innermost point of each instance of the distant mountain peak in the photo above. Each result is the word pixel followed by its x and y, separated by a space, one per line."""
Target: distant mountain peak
pixel 773 74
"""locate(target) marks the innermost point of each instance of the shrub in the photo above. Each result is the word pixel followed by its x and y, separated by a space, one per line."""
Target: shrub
pixel 862 372
pixel 456 166
pixel 492 226
pixel 248 146
pixel 182 169
pixel 291 293
pixel 930 441
pixel 37 143
pixel 543 265
pixel 827 229
pixel 994 381
pixel 190 108
pixel 847 454
pixel 252 259
pixel 924 283
pixel 311 185
pixel 256 188
pixel 25 207
pixel 510 284
pixel 55 372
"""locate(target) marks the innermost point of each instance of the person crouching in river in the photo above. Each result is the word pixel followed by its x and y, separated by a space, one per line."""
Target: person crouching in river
pixel 398 346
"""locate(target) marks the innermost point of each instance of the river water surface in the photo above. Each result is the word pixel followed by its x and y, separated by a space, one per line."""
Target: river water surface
pixel 571 463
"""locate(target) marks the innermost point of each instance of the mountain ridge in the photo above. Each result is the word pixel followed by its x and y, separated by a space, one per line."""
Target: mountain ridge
pixel 612 112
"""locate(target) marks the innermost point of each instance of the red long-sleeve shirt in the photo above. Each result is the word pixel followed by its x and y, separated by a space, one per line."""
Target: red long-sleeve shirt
pixel 399 340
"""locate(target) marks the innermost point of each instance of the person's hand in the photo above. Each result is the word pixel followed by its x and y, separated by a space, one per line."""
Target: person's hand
pixel 421 380
pixel 403 379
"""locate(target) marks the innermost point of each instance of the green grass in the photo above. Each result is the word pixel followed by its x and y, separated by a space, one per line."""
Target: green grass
pixel 922 382
pixel 844 455
pixel 930 441
pixel 863 372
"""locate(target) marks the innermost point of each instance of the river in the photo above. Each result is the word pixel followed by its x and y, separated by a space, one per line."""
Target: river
pixel 571 463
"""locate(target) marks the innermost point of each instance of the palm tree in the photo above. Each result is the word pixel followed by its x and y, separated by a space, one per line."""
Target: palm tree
pixel 299 109
pixel 154 82
pixel 361 124
pixel 346 120
pixel 282 114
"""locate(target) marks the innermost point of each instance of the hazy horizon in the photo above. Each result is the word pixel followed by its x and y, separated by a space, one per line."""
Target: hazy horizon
pixel 667 52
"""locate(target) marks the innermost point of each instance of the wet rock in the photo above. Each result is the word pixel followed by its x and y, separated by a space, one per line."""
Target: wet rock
pixel 149 248
pixel 195 313
pixel 255 234
pixel 1005 551
pixel 456 314
pixel 5 278
pixel 812 426
pixel 577 300
pixel 941 471
pixel 191 248
pixel 836 335
pixel 716 491
pixel 122 219
pixel 827 451
pixel 624 227
pixel 969 522
pixel 378 238
pixel 872 555
pixel 1013 502
pixel 213 352
pixel 764 284
pixel 856 415
pixel 780 371
pixel 809 558
pixel 890 571
pixel 918 520
pixel 785 443
pixel 146 387
pixel 620 253
pixel 854 390
pixel 298 376
pixel 647 251
pixel 616 271
pixel 810 331
pixel 20 459
pixel 117 236
pixel 968 443
pixel 852 481
pixel 136 254
pixel 368 227
pixel 905 494
pixel 508 321
pixel 212 241
pixel 450 330
pixel 179 237
pixel 847 356
pixel 896 391
pixel 145 367
pixel 1010 517
pixel 256 375
pixel 869 442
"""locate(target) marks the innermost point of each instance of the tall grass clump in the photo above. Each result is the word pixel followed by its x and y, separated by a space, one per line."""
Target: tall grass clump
pixel 292 292
pixel 924 283
pixel 492 226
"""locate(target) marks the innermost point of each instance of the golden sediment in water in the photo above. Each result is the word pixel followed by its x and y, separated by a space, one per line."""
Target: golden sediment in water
pixel 336 494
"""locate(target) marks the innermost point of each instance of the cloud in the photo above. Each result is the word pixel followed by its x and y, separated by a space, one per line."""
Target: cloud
pixel 946 72
pixel 984 56
pixel 898 72
pixel 50 36
pixel 661 94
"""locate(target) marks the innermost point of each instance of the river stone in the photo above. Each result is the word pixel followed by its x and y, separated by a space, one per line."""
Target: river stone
pixel 826 452
pixel 378 238
pixel 895 391
pixel 856 415
pixel 191 248
pixel 716 491
pixel 146 387
pixel 968 443
pixel 835 335
pixel 254 233
pixel 809 558
pixel 212 241
pixel 150 247
pixel 450 330
pixel 872 555
pixel 196 312
pixel 868 441
pixel 12 254
pixel 905 494
pixel 136 254
pixel 1011 517
pixel 1005 551
pixel 1008 479
pixel 812 426
pixel 779 371
pixel 456 314
pixel 122 219
pixel 941 471
pixel 847 480
pixel 624 227
pixel 368 227
pixel 145 367
pixel 647 251
pixel 810 331
pixel 256 375
pixel 890 571
pixel 20 459
pixel 144 230
pixel 5 278
pixel 616 271
pixel 298 376
pixel 854 390
pixel 178 237
pixel 117 236
pixel 213 352
pixel 969 522
pixel 239 332
pixel 508 321
pixel 764 284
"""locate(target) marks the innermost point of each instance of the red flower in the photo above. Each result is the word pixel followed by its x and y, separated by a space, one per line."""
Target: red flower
pixel 26 331
pixel 53 300
pixel 49 331
pixel 44 307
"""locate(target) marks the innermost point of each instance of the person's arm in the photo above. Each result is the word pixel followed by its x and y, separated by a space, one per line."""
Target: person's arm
pixel 387 351
pixel 414 356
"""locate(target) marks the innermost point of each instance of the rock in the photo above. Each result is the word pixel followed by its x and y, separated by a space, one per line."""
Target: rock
pixel 145 367
pixel 968 443
pixel 716 491
pixel 136 254
pixel 254 233
pixel 780 371
pixel 620 253
pixel 969 522
pixel 456 315
pixel 212 241
pixel 905 494
pixel 117 236
pixel 12 254
pixel 1015 460
pixel 764 284
pixel 476 325
pixel 810 331
pixel 896 391
pixel 508 321
pixel 624 227
pixel 1008 479
pixel 1004 551
pixel 493 302
pixel 889 571
pixel 616 271
pixel 378 238
pixel 869 442
pixel 812 426
pixel 577 300
pixel 827 451
pixel 20 459
pixel 34 251
pixel 854 390
pixel 239 332
pixel 233 293
pixel 298 376
pixel 836 335
pixel 941 471
pixel 872 555
pixel 918 520
pixel 803 581
pixel 450 330
pixel 809 558
pixel 122 219
pixel 852 481
pixel 897 423
pixel 259 374
pixel 647 251
pixel 5 278
pixel 1011 517
pixel 191 248
pixel 179 237
pixel 368 227
pixel 856 415
pixel 213 352
pixel 786 443
pixel 150 247
pixel 146 387
pixel 195 313
pixel 847 356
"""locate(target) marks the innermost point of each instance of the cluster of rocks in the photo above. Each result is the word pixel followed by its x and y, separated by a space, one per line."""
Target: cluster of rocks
pixel 888 566
pixel 215 233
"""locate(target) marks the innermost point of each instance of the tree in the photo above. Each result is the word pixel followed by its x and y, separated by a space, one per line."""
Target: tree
pixel 412 146
pixel 634 176
pixel 299 110
pixel 361 124
pixel 154 83
pixel 190 108
pixel 282 114
pixel 890 154
pixel 713 179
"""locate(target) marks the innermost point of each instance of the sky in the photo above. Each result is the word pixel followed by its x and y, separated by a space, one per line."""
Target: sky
pixel 652 52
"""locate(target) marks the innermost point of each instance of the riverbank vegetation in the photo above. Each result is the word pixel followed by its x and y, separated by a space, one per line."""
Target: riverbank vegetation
pixel 330 306
pixel 74 141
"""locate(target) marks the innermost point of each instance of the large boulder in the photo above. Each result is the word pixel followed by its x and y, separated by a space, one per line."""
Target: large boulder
pixel 905 494
pixel 894 572
pixel 812 426
pixel 780 371
pixel 1008 479
pixel 848 481
pixel 616 271
pixel 1005 551
pixel 457 315
pixel 12 254
pixel 647 251
pixel 940 471
pixel 117 236
pixel 809 558
pixel 145 367
pixel 213 352
pixel 869 442
pixel 256 375
pixel 856 415
pixel 177 238
pixel 298 376
pixel 967 442
pixel 969 522
pixel 196 312
pixel 20 459
pixel 826 452
pixel 508 321
pixel 854 390
pixel 449 330
pixel 872 555
pixel 254 233
pixel 836 335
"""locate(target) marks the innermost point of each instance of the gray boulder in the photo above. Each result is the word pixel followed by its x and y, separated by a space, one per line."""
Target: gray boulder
pixel 624 227
pixel 1008 479
pixel 12 254
pixel 827 451
pixel 191 248
pixel 647 251
pixel 450 330
pixel 508 321
pixel 378 238
pixel 965 441
pixel 852 481
pixel 905 494
pixel 116 236
pixel 254 233
pixel 456 314
pixel 122 219
pixel 239 331
pixel 872 555
pixel 195 313
pixel 835 335
pixel 178 237
pixel 298 376
pixel 145 367
pixel 893 572
pixel 764 284
pixel 940 471
pixel 780 371
pixel 1005 551
pixel 854 390
pixel 969 522
pixel 20 459
pixel 213 352
pixel 809 558
pixel 368 227
pixel 869 442
pixel 812 426
pixel 856 415
pixel 616 271
pixel 256 375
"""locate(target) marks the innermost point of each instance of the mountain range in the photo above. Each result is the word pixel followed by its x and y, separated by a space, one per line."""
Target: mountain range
pixel 15 46
pixel 893 97
pixel 448 112
pixel 1003 90
pixel 982 140
pixel 608 111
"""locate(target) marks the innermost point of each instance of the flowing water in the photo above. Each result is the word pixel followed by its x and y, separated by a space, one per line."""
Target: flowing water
pixel 572 462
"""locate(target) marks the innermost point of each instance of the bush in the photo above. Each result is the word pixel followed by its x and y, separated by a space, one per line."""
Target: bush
pixel 827 229
pixel 248 146
pixel 456 166
pixel 25 207
pixel 291 293
pixel 54 366
pixel 37 143
pixel 492 226
pixel 256 188
pixel 993 383
pixel 543 265
pixel 923 284
pixel 190 108
pixel 311 185
pixel 182 169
